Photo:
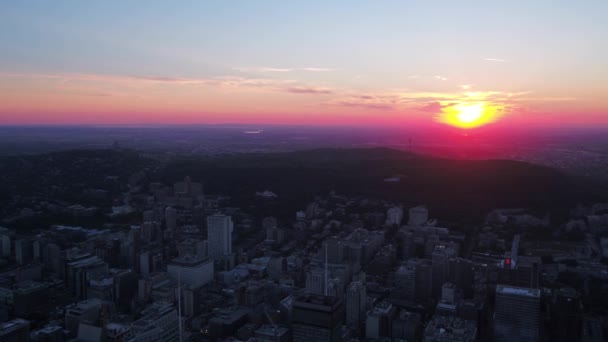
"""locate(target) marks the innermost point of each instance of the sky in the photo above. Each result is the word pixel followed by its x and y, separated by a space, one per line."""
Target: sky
pixel 462 63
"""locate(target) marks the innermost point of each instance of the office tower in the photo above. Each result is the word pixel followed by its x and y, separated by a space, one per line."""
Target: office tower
pixel 317 318
pixel 406 326
pixel 158 322
pixel 17 330
pixel 191 301
pixel 335 250
pixel 85 312
pixel 394 216
pixel 192 247
pixel 219 236
pixel 148 216
pixel 356 301
pixel 405 280
pixel 418 216
pixel 171 218
pixel 528 271
pixel 29 297
pixel 566 313
pixel 461 275
pixel 24 251
pixel 269 222
pixel 408 245
pixel 517 314
pixel 81 269
pixel 52 258
pixel 5 242
pixel 378 324
pixel 424 280
pixel 440 258
pixel 144 263
pixel 191 270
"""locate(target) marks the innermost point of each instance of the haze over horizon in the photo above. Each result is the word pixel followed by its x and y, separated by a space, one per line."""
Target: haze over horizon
pixel 514 65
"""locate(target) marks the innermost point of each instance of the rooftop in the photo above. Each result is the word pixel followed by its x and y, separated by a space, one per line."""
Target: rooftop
pixel 518 291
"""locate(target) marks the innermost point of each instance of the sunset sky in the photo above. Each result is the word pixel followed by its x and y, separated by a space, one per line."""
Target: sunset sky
pixel 464 63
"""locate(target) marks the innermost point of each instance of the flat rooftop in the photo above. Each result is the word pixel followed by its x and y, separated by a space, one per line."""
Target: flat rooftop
pixel 518 291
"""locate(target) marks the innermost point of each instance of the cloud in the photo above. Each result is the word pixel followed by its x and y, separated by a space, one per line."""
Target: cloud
pixel 262 69
pixel 275 69
pixel 316 69
pixel 441 78
pixel 374 106
pixel 431 107
pixel 307 90
pixel 367 101
pixel 465 86
pixel 499 60
pixel 277 85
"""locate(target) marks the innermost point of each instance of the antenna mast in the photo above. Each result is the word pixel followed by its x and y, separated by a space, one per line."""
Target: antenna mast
pixel 326 268
pixel 179 305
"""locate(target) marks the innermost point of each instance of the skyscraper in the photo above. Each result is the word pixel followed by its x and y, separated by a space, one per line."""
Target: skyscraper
pixel 16 330
pixel 317 318
pixel 170 218
pixel 418 216
pixel 219 236
pixel 405 280
pixel 356 299
pixel 394 215
pixel 517 314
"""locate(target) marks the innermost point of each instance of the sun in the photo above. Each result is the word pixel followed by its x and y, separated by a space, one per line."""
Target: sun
pixel 468 115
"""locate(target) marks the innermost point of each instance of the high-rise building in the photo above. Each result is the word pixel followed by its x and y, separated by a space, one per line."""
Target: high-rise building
pixel 566 312
pixel 528 271
pixel 440 258
pixel 171 218
pixel 5 242
pixel 191 270
pixel 405 280
pixel 378 324
pixel 394 216
pixel 317 318
pixel 461 275
pixel 24 251
pixel 418 216
pixel 158 322
pixel 81 269
pixel 219 236
pixel 356 301
pixel 517 314
pixel 85 312
pixel 424 280
pixel 17 330
pixel 406 326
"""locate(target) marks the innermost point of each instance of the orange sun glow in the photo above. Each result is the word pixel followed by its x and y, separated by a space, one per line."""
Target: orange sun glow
pixel 468 114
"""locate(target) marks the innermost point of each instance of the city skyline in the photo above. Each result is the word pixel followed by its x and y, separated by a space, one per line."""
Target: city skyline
pixel 400 63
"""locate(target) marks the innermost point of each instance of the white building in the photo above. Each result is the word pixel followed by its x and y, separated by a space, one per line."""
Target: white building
pixel 219 236
pixel 192 270
pixel 394 216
